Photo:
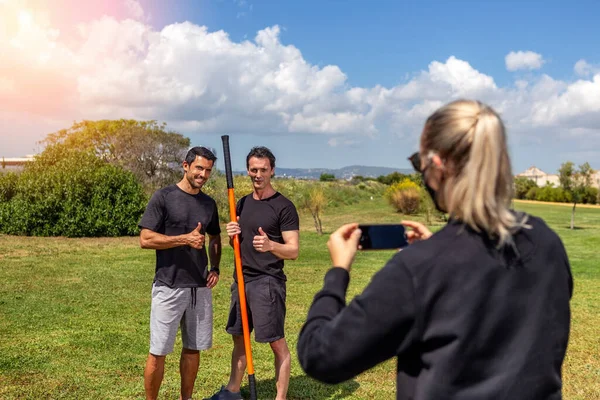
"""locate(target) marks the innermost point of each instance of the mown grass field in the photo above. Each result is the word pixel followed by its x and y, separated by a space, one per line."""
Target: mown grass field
pixel 74 314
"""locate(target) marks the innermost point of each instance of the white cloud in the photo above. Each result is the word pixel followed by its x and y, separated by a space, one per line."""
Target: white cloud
pixel 337 142
pixel 460 76
pixel 204 82
pixel 245 8
pixel 578 106
pixel 583 68
pixel 134 9
pixel 523 60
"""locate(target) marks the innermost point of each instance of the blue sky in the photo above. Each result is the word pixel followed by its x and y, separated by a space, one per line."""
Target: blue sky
pixel 381 42
pixel 323 83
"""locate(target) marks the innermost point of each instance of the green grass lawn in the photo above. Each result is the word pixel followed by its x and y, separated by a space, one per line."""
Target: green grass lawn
pixel 74 314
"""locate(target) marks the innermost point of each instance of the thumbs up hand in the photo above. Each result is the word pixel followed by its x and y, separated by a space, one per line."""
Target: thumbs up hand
pixel 195 238
pixel 261 242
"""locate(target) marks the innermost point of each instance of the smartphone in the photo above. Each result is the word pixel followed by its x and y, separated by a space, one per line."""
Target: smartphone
pixel 382 237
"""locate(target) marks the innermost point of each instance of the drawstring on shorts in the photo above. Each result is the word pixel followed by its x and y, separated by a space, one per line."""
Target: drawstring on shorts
pixel 193 297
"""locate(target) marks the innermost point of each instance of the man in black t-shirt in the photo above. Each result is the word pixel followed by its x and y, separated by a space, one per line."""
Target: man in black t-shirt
pixel 268 230
pixel 175 222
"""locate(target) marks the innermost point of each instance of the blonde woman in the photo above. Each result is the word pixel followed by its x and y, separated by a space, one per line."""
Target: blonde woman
pixel 477 310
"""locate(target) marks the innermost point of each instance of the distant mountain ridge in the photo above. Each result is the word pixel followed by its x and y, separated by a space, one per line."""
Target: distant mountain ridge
pixel 340 173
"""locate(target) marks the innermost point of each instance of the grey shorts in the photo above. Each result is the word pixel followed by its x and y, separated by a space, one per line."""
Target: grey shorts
pixel 177 307
pixel 265 305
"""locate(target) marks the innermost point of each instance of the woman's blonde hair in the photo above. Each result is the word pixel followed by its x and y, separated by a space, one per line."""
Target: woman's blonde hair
pixel 478 184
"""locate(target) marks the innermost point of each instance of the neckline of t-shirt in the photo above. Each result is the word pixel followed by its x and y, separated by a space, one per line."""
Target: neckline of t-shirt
pixel 265 199
pixel 189 194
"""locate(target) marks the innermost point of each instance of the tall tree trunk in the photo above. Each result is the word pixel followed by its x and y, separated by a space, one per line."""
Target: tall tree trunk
pixel 320 225
pixel 573 216
pixel 314 215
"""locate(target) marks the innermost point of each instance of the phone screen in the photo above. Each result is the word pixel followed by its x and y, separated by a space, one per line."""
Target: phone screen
pixel 382 237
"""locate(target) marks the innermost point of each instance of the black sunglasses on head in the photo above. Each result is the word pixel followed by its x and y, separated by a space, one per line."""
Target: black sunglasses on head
pixel 415 160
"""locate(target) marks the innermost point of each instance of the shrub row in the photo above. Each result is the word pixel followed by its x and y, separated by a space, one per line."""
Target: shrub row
pixel 70 193
pixel 557 194
pixel 73 193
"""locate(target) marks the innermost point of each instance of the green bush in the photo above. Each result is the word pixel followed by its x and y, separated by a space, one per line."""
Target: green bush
pixel 343 195
pixel 559 195
pixel 407 201
pixel 590 195
pixel 405 196
pixel 75 194
pixel 359 178
pixel 532 193
pixel 372 187
pixel 396 177
pixel 522 186
pixel 8 186
pixel 553 194
pixel 325 177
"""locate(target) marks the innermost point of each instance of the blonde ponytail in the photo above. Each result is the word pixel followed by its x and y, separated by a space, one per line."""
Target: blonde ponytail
pixel 478 188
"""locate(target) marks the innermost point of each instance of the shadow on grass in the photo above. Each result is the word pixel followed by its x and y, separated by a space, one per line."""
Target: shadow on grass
pixel 302 388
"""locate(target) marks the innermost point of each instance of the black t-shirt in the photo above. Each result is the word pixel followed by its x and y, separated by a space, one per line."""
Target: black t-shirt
pixel 275 215
pixel 172 212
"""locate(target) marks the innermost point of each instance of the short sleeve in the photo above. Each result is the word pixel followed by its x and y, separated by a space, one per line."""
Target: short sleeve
pixel 213 227
pixel 154 215
pixel 289 220
pixel 239 206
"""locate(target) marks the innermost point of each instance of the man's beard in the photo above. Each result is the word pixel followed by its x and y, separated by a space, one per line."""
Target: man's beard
pixel 194 184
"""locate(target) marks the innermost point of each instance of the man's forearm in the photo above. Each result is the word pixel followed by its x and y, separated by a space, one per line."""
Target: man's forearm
pixel 158 241
pixel 287 251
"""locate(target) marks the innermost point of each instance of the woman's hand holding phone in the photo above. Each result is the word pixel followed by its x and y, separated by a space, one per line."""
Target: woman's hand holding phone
pixel 418 232
pixel 343 244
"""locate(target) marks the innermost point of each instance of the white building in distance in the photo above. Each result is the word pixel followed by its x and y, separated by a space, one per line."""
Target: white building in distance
pixel 542 179
pixel 14 163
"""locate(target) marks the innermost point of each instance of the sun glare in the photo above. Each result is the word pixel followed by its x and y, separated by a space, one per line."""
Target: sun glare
pixel 25 19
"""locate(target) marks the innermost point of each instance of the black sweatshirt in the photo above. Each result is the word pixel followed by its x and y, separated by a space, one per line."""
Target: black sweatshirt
pixel 464 319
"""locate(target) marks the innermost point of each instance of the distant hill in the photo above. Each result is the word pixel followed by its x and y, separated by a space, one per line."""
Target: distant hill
pixel 340 173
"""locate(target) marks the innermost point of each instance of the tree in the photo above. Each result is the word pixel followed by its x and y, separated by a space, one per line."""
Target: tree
pixel 575 182
pixel 3 163
pixel 325 177
pixel 147 149
pixel 313 199
pixel 392 178
pixel 522 186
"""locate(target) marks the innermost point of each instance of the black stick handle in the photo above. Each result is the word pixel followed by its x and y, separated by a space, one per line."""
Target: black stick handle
pixel 227 155
pixel 252 383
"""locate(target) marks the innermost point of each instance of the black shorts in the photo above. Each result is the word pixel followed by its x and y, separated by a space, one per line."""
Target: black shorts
pixel 265 301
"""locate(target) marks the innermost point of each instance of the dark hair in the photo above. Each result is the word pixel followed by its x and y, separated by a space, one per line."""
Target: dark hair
pixel 260 152
pixel 199 151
